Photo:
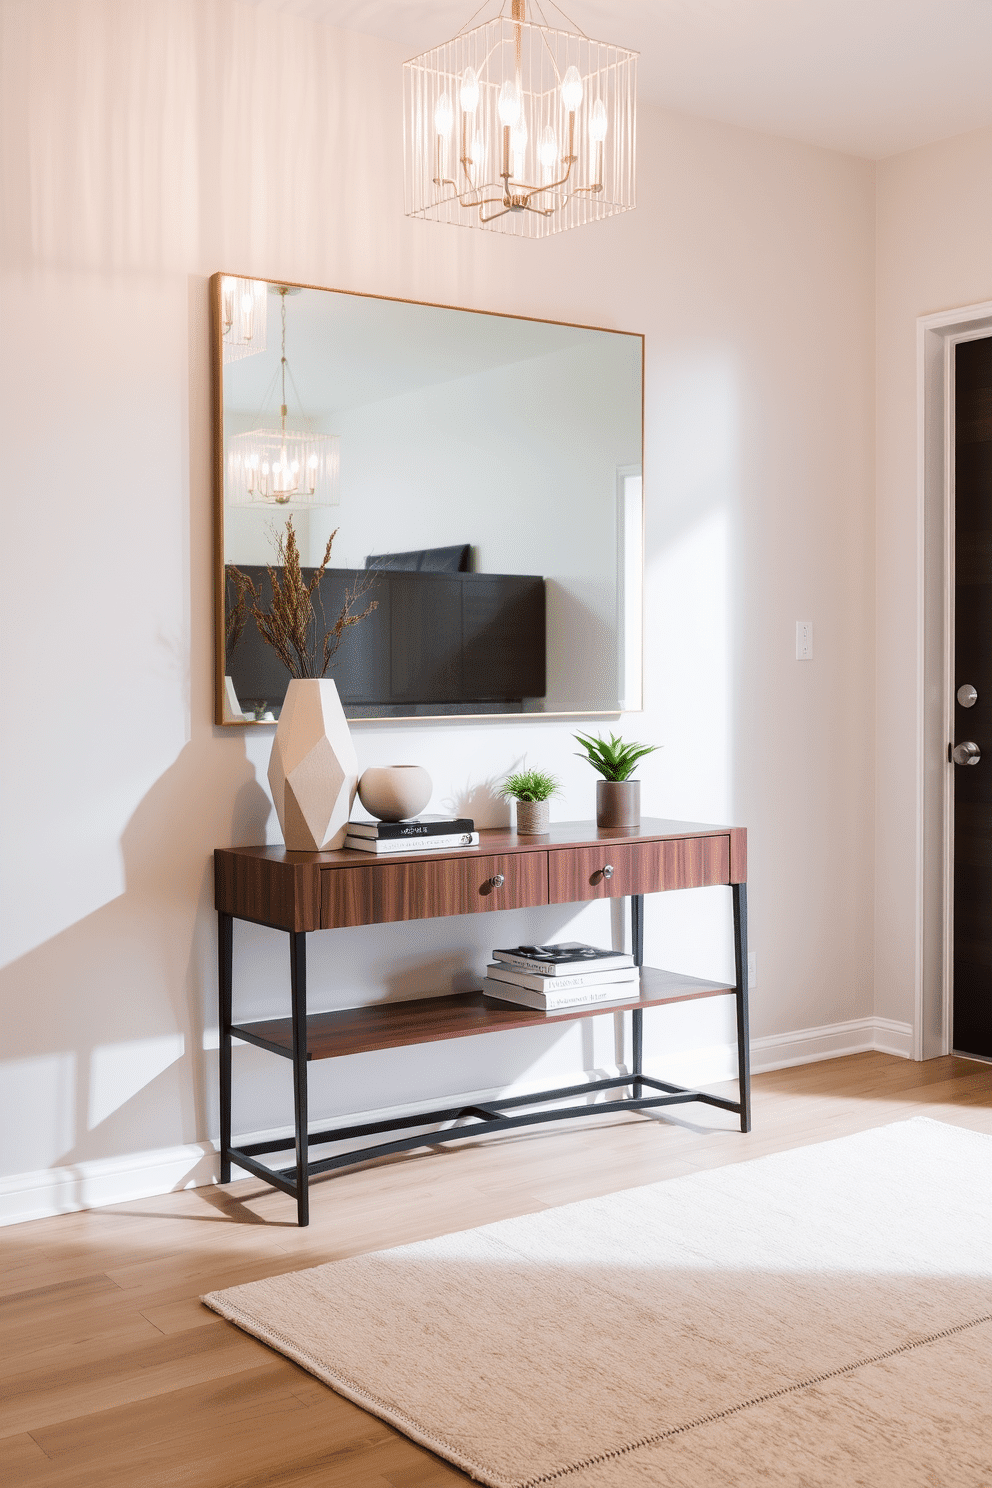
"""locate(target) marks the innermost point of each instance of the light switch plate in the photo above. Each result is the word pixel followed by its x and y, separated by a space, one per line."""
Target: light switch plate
pixel 804 640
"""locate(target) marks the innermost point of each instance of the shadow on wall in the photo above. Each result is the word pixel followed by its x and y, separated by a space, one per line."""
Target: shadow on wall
pixel 105 1029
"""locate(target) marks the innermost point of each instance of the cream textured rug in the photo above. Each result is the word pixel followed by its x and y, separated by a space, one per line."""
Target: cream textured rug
pixel 819 1317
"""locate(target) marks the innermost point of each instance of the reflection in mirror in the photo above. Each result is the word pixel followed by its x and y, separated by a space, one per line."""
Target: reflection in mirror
pixel 482 474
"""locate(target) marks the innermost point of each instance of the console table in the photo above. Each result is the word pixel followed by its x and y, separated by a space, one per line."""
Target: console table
pixel 299 893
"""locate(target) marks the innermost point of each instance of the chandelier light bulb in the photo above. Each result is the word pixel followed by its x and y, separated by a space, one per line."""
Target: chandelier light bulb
pixel 444 116
pixel 478 156
pixel 548 148
pixel 598 122
pixel 469 93
pixel 571 89
pixel 509 104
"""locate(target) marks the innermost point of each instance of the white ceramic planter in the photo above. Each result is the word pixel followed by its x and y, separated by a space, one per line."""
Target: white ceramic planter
pixel 313 768
pixel 395 792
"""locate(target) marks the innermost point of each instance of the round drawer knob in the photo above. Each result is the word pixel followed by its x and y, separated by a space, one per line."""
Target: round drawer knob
pixel 497 880
pixel 608 871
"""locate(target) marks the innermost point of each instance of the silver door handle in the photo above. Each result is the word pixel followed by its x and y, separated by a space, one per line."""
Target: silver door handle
pixel 967 753
pixel 497 880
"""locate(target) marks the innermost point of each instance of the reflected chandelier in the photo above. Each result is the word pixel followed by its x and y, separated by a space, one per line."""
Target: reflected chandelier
pixel 283 467
pixel 521 128
pixel 242 313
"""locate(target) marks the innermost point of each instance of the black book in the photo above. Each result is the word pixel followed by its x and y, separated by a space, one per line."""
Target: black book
pixel 565 959
pixel 417 826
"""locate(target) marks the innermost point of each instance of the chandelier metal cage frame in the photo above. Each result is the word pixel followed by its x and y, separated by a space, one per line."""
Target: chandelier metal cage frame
pixel 519 127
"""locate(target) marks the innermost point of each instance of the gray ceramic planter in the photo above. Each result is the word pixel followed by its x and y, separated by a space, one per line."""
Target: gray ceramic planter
pixel 618 803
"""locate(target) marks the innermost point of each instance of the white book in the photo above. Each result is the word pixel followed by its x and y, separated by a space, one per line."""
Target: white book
pixel 552 1002
pixel 413 844
pixel 566 959
pixel 500 972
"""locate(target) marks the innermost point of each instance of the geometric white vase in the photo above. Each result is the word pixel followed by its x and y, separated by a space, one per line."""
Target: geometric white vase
pixel 313 769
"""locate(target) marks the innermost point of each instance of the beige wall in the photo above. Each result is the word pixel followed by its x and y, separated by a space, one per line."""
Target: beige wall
pixel 146 145
pixel 934 254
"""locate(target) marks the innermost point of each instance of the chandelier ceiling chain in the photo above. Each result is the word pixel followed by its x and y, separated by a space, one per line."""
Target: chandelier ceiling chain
pixel 520 127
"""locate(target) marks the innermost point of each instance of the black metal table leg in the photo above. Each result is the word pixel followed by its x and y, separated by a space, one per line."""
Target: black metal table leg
pixel 637 1016
pixel 225 972
pixel 298 973
pixel 743 1034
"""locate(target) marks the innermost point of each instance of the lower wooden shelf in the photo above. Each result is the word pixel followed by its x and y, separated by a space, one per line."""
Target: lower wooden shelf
pixel 426 1020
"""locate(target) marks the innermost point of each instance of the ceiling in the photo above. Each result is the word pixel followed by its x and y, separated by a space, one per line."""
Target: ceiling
pixel 869 77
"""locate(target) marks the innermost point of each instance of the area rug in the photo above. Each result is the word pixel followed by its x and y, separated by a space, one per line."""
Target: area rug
pixel 818 1317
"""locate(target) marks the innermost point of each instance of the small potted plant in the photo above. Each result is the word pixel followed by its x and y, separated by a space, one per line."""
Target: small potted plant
pixel 618 798
pixel 532 790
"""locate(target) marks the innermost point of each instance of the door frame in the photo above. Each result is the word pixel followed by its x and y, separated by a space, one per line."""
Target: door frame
pixel 937 336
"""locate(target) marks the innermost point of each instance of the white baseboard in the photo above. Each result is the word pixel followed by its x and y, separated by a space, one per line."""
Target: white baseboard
pixel 143 1175
pixel 808 1045
pixel 105 1180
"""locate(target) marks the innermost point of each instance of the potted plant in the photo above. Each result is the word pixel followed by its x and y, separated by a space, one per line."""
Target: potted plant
pixel 618 798
pixel 532 790
pixel 313 768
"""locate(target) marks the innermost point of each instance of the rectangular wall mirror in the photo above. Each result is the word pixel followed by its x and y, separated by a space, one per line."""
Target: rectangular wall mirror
pixel 483 475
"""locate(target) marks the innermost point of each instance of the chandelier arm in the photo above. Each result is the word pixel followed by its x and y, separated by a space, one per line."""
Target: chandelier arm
pixel 492 215
pixel 463 198
pixel 551 185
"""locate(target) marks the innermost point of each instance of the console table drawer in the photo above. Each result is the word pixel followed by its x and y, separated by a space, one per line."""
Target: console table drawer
pixel 577 873
pixel 377 893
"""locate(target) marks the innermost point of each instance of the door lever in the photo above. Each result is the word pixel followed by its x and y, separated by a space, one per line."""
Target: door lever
pixel 967 753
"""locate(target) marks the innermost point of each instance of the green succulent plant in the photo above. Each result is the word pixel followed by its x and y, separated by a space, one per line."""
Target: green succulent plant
pixel 614 760
pixel 530 785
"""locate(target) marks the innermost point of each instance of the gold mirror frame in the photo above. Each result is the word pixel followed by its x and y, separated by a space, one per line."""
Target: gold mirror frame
pixel 217 400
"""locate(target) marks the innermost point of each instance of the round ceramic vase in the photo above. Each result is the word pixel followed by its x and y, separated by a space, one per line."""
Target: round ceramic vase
pixel 394 792
pixel 532 818
pixel 618 803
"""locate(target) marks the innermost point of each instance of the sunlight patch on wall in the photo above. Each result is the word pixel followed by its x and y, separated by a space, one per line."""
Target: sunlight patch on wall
pixel 119 1071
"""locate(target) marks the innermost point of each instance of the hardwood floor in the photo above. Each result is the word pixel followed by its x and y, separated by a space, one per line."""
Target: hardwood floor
pixel 113 1373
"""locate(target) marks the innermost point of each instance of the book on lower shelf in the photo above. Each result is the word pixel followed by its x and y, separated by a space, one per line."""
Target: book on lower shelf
pixel 549 1001
pixel 498 971
pixel 406 845
pixel 415 826
pixel 565 959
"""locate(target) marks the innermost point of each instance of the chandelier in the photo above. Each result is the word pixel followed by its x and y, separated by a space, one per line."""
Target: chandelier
pixel 242 311
pixel 283 466
pixel 520 128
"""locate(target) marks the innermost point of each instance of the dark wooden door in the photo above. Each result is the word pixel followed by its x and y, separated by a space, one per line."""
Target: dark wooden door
pixel 972 1010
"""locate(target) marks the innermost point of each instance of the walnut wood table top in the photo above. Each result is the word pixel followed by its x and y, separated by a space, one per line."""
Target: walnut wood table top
pixel 303 891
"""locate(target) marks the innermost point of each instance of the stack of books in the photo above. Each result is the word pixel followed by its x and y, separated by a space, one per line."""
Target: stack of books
pixel 419 834
pixel 549 977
